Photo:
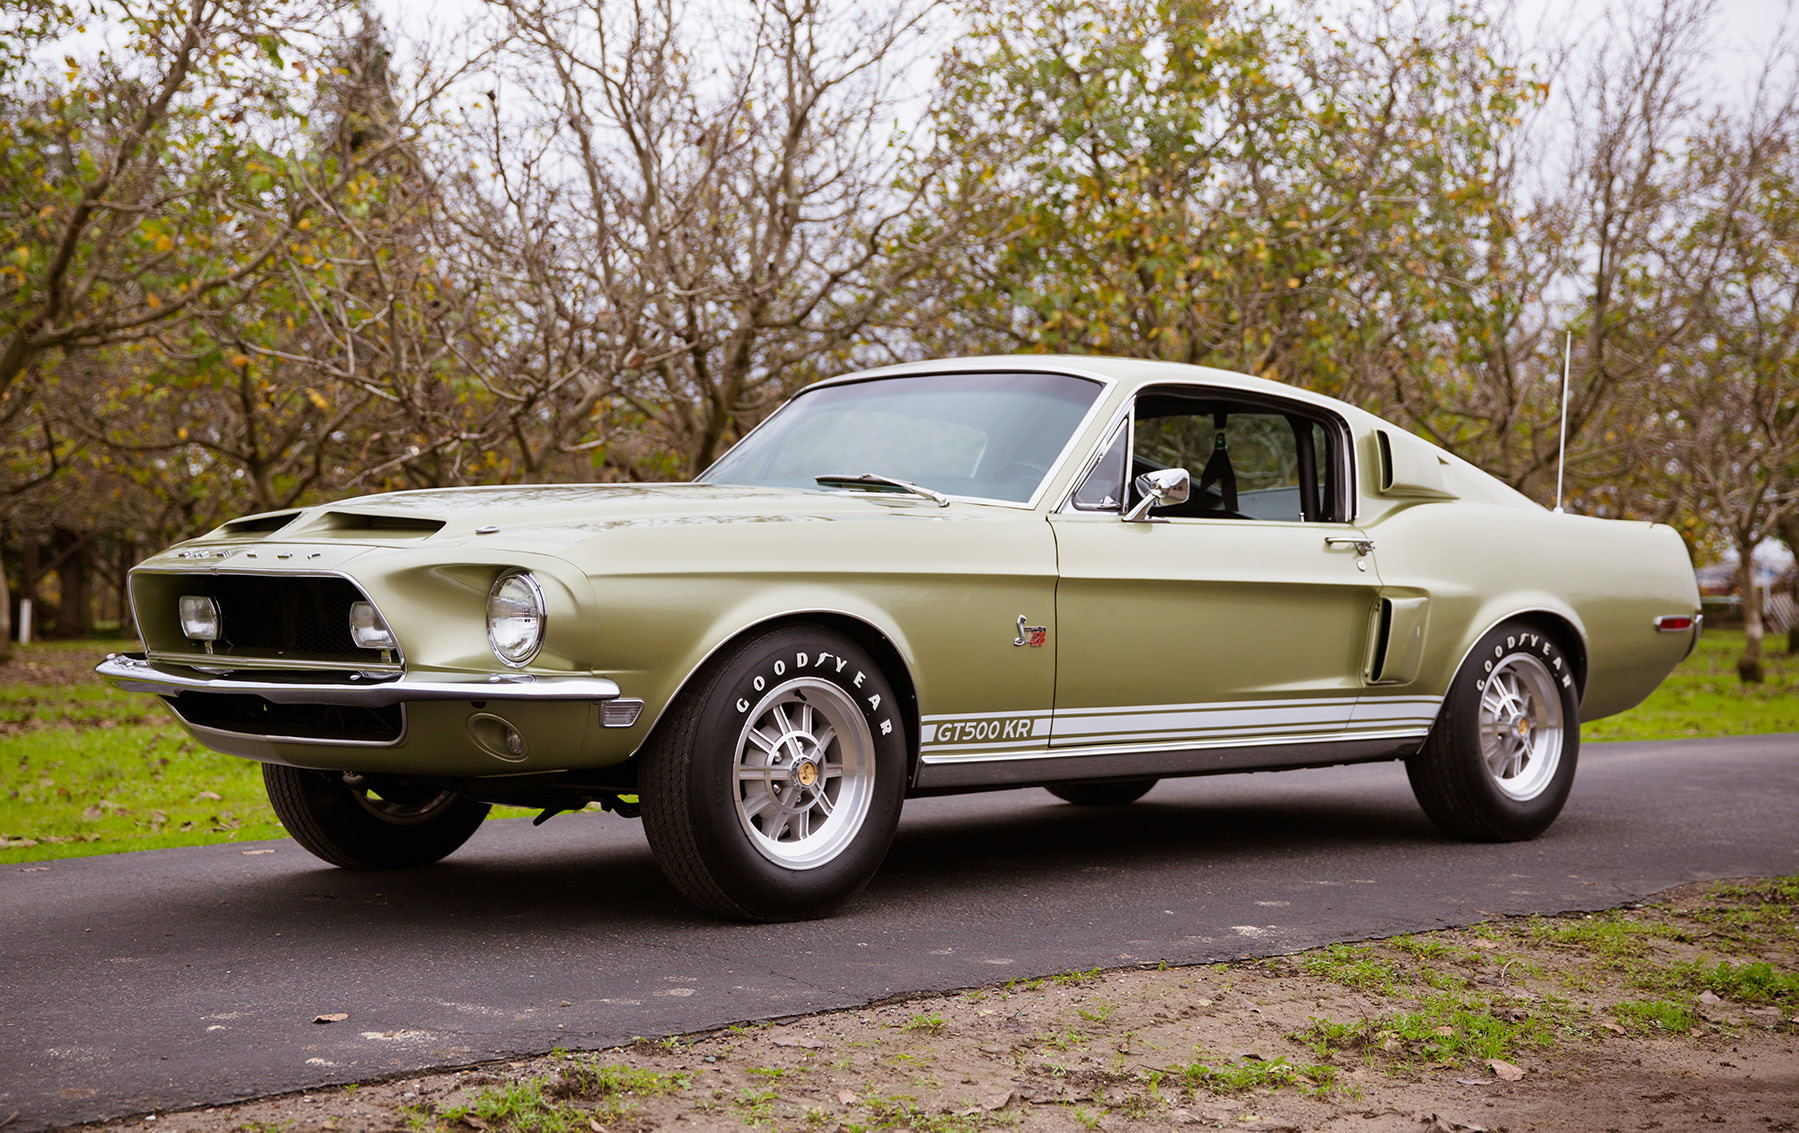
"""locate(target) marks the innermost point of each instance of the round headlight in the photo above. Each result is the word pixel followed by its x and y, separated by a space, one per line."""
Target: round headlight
pixel 515 617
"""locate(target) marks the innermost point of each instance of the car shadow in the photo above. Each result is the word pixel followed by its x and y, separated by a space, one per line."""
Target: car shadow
pixel 590 872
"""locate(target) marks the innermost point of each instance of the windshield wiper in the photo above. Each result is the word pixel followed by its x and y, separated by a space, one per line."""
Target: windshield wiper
pixel 870 480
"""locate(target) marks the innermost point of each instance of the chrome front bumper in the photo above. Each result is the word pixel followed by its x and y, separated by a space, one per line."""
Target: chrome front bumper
pixel 133 673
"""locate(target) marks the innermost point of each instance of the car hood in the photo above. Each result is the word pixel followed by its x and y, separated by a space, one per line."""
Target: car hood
pixel 564 514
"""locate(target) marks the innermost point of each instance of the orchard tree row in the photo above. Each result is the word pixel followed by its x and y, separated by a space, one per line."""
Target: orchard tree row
pixel 256 253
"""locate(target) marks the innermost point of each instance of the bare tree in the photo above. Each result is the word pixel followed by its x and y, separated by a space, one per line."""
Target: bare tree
pixel 1729 429
pixel 689 211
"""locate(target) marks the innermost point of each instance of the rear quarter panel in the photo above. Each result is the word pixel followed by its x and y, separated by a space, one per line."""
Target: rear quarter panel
pixel 1482 563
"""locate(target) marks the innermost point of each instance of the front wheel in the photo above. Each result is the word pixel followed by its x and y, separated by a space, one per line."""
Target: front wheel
pixel 772 789
pixel 1500 762
pixel 369 822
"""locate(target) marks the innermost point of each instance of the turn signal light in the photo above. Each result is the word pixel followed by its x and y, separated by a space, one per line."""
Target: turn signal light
pixel 1674 623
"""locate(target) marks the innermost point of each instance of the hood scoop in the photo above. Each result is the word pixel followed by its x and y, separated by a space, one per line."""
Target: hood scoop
pixel 352 523
pixel 257 524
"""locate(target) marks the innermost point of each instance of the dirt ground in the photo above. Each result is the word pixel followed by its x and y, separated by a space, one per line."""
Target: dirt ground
pixel 1680 1014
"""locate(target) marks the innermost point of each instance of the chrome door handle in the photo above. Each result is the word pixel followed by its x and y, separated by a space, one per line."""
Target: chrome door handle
pixel 1362 546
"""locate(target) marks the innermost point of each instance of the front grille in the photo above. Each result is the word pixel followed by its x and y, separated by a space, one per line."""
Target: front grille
pixel 251 715
pixel 275 617
pixel 286 617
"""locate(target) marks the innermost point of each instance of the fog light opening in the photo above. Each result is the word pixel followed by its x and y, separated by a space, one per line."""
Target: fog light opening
pixel 200 619
pixel 496 736
pixel 368 631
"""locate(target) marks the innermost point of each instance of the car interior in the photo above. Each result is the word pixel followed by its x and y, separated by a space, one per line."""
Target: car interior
pixel 1248 460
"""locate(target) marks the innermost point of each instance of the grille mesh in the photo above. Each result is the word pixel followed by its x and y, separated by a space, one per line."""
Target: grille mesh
pixel 290 617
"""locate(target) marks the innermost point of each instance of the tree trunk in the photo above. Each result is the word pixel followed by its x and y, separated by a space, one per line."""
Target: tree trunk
pixel 75 613
pixel 127 559
pixel 1749 665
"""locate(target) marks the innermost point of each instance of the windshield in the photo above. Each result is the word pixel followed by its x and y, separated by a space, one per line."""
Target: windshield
pixel 990 436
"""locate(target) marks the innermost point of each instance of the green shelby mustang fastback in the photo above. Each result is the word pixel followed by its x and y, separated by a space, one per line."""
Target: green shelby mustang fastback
pixel 1079 573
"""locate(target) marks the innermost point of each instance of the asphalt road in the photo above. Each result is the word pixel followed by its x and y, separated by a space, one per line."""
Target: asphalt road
pixel 161 980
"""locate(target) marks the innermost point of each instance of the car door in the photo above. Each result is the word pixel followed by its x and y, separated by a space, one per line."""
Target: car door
pixel 1243 619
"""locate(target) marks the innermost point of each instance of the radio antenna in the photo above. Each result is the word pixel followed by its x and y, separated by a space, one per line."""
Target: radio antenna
pixel 1561 449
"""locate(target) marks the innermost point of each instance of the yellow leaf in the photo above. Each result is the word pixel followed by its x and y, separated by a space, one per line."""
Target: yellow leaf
pixel 318 400
pixel 240 360
pixel 1292 283
pixel 163 243
pixel 151 298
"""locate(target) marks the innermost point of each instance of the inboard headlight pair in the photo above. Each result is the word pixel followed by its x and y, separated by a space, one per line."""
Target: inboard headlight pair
pixel 515 617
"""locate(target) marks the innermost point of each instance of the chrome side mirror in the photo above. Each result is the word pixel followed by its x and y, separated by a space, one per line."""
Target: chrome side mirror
pixel 1163 487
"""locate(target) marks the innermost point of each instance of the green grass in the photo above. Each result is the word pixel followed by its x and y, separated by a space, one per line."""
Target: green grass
pixel 1354 966
pixel 1457 1030
pixel 1650 1016
pixel 68 792
pixel 1703 697
pixel 1254 1074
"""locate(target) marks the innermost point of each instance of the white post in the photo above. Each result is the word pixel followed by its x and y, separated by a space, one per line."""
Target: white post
pixel 24 621
pixel 1561 448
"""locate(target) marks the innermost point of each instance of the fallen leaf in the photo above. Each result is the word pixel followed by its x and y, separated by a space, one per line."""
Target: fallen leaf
pixel 1445 1031
pixel 336 1017
pixel 595 1126
pixel 1710 1000
pixel 253 853
pixel 208 795
pixel 1613 1028
pixel 1474 1081
pixel 997 1100
pixel 1504 1070
pixel 1484 945
pixel 473 1122
pixel 846 1097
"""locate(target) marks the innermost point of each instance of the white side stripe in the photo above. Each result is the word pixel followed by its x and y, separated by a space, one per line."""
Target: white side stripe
pixel 983 735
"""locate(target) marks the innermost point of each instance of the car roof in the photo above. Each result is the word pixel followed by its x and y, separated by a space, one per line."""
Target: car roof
pixel 1131 373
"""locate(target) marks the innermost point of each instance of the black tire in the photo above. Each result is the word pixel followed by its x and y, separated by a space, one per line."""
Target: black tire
pixel 1454 775
pixel 1116 793
pixel 737 846
pixel 378 824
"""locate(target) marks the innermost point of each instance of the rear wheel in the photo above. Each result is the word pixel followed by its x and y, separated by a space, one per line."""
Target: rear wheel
pixel 1500 762
pixel 369 822
pixel 772 789
pixel 1102 794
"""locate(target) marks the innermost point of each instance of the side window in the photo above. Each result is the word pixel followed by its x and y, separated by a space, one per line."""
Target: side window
pixel 1248 460
pixel 1103 489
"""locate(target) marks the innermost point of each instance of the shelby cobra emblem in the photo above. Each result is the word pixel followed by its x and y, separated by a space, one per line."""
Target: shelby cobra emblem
pixel 1224 574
